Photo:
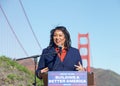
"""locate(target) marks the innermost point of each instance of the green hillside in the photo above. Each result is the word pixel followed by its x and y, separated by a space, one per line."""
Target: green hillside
pixel 14 74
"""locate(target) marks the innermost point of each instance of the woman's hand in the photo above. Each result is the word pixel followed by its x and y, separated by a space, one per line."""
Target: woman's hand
pixel 79 67
pixel 44 70
pixel 42 73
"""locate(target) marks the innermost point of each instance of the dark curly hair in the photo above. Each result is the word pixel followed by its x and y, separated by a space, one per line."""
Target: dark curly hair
pixel 66 33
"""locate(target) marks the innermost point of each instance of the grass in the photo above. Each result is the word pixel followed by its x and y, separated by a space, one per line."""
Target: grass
pixel 16 72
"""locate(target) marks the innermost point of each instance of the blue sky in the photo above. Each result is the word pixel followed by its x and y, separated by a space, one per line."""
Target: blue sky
pixel 99 18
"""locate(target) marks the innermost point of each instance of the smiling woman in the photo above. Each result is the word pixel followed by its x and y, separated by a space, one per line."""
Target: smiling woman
pixel 63 58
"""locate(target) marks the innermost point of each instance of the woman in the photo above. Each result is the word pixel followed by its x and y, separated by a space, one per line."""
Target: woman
pixel 59 55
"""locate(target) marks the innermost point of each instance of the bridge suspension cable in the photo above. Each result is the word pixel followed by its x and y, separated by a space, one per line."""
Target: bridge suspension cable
pixel 11 28
pixel 30 24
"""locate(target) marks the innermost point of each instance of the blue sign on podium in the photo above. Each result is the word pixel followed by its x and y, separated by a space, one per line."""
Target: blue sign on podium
pixel 67 78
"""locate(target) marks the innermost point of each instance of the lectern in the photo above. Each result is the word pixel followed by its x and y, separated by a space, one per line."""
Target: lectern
pixel 90 78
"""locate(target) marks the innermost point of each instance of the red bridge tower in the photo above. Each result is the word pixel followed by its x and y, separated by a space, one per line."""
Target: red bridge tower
pixel 84 46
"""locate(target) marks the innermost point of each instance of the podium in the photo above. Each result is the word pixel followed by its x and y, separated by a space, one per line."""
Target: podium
pixel 90 79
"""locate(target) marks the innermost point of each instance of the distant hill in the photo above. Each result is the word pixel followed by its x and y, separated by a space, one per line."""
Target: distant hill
pixel 106 77
pixel 14 74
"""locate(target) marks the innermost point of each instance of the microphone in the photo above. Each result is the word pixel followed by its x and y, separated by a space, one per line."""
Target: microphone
pixel 60 49
pixel 35 56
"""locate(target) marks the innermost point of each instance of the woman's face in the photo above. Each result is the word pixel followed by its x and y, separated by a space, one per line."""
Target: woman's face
pixel 59 38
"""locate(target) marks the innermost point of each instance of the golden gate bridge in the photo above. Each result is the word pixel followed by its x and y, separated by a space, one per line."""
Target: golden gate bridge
pixel 86 46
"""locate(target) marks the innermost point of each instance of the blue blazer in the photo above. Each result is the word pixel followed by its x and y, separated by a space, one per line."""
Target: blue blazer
pixel 51 60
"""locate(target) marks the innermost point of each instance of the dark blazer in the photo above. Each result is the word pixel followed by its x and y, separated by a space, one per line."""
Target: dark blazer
pixel 50 59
